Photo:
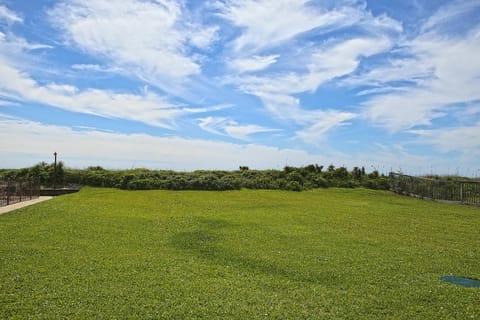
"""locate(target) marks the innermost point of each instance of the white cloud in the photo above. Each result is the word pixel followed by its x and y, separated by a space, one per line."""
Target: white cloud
pixel 212 124
pixel 380 24
pixel 382 89
pixel 148 107
pixel 8 103
pixel 114 150
pixel 431 74
pixel 473 109
pixel 270 23
pixel 202 37
pixel 243 132
pixel 35 142
pixel 440 82
pixel 406 70
pixel 285 107
pixel 8 15
pixel 322 122
pixel 316 123
pixel 322 65
pixel 207 109
pixel 254 63
pixel 399 111
pixel 449 13
pixel 95 68
pixel 14 47
pixel 145 39
pixel 460 139
pixel 224 126
pixel 17 85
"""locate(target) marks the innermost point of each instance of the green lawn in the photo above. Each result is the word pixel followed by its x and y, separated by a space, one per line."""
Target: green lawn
pixel 323 254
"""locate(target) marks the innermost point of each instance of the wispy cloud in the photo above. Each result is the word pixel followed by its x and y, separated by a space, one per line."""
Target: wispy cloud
pixel 449 13
pixel 408 71
pixel 8 15
pixel 7 103
pixel 95 68
pixel 438 82
pixel 225 126
pixel 268 23
pixel 315 123
pixel 272 26
pixel 321 123
pixel 254 63
pixel 321 65
pixel 148 108
pixel 18 86
pixel 459 139
pixel 147 40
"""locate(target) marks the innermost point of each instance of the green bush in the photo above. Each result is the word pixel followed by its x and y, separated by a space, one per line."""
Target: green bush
pixel 293 186
pixel 290 178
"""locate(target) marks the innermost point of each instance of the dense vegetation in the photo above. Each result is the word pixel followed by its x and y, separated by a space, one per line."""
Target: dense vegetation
pixel 250 254
pixel 290 178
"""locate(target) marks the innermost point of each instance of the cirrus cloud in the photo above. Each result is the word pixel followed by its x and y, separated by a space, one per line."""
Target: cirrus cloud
pixel 147 39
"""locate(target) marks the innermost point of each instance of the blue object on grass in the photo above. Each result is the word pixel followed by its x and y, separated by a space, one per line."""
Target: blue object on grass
pixel 462 281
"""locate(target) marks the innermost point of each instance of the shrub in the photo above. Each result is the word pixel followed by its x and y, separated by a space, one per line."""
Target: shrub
pixel 290 178
pixel 293 186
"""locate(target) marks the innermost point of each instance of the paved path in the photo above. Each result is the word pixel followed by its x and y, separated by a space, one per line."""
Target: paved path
pixel 22 204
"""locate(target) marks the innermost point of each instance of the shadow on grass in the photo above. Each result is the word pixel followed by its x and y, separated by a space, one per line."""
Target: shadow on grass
pixel 206 243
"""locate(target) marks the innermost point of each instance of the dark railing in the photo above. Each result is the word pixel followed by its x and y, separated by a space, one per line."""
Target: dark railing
pixel 467 192
pixel 58 190
pixel 13 191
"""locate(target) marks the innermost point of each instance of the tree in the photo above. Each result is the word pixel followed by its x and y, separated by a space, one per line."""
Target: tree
pixel 357 173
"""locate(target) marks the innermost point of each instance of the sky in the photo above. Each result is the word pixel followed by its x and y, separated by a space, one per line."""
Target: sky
pixel 186 85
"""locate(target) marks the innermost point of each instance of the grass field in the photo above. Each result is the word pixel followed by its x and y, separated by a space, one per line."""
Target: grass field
pixel 323 254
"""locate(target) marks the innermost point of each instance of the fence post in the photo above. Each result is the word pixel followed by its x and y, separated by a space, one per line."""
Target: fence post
pixel 461 192
pixel 8 192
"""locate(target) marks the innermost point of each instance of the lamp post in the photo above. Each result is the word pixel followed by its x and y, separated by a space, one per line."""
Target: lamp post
pixel 55 171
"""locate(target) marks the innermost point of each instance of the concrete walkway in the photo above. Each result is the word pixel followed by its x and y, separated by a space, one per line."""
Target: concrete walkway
pixel 22 204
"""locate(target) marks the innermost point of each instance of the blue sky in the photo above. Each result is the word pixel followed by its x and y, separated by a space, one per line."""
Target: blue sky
pixel 184 85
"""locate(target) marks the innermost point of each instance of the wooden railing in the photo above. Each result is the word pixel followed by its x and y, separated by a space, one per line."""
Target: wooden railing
pixel 461 191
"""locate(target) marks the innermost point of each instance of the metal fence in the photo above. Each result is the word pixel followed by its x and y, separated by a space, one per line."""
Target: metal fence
pixel 13 191
pixel 467 192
